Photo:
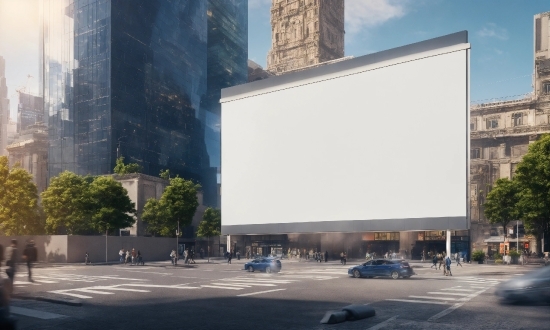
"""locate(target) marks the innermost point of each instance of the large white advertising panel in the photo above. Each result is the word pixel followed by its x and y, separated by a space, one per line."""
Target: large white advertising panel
pixel 385 141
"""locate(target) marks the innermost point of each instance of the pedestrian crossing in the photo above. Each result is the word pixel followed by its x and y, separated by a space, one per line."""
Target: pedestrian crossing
pixel 39 279
pixel 469 288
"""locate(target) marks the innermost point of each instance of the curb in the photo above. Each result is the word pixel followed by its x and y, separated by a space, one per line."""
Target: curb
pixel 68 302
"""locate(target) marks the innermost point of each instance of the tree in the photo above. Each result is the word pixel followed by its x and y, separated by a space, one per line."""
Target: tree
pixel 533 176
pixel 178 203
pixel 121 168
pixel 210 225
pixel 154 215
pixel 109 205
pixel 19 211
pixel 501 204
pixel 65 204
pixel 165 174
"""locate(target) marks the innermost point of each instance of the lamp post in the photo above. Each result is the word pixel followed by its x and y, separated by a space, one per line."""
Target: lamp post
pixel 177 243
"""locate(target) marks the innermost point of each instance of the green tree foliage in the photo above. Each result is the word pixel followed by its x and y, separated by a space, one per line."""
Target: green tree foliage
pixel 165 174
pixel 154 215
pixel 65 204
pixel 501 204
pixel 210 225
pixel 178 203
pixel 19 211
pixel 121 168
pixel 533 176
pixel 109 205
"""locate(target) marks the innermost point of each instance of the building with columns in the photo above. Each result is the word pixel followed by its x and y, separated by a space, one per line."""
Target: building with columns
pixel 305 33
pixel 500 135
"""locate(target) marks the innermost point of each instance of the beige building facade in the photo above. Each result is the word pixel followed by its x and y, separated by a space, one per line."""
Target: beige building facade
pixel 4 109
pixel 304 33
pixel 500 136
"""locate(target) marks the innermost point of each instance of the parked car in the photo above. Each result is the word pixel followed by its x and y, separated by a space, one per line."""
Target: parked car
pixel 531 287
pixel 263 264
pixel 382 267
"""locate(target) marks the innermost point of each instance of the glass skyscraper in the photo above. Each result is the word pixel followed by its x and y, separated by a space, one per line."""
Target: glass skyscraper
pixel 140 79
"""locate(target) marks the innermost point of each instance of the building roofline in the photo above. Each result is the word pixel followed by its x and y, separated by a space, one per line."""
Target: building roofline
pixel 411 49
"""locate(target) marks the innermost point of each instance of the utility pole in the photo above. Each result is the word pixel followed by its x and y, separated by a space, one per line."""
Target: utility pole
pixel 177 243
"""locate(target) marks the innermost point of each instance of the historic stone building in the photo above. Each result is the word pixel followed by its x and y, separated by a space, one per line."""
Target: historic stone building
pixel 500 135
pixel 305 32
pixel 4 108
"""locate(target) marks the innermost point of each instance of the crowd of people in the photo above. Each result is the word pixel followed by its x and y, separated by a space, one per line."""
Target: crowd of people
pixel 132 257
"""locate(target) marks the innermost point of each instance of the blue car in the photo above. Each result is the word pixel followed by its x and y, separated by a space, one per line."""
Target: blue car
pixel 267 265
pixel 382 267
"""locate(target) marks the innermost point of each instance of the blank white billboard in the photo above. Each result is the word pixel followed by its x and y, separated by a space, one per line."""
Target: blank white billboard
pixel 372 143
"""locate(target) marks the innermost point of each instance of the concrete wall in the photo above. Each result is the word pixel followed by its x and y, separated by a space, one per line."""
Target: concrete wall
pixel 64 248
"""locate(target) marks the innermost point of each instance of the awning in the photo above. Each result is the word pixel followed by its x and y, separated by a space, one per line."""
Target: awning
pixel 494 239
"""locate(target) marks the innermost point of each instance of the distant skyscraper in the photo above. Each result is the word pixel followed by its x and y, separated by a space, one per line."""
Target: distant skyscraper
pixel 305 32
pixel 4 108
pixel 30 111
pixel 141 79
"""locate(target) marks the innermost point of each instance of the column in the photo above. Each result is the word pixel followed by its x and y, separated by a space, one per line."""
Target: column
pixel 228 243
pixel 448 243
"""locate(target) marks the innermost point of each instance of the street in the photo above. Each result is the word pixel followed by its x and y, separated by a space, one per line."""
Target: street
pixel 220 295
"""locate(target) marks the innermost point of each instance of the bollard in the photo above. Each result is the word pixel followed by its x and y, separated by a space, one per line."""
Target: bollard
pixel 358 312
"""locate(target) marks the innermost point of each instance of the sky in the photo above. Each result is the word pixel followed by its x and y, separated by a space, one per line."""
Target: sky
pixel 500 33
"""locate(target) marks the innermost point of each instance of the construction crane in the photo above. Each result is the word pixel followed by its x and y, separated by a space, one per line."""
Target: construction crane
pixel 22 88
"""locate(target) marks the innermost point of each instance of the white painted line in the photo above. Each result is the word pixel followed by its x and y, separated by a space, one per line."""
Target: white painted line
pixel 161 286
pixel 34 313
pixel 121 289
pixel 252 283
pixel 419 301
pixel 24 283
pixel 221 287
pixel 428 297
pixel 45 281
pixel 258 280
pixel 86 290
pixel 383 324
pixel 233 284
pixel 71 294
pixel 260 292
pixel 455 306
pixel 451 289
pixel 450 293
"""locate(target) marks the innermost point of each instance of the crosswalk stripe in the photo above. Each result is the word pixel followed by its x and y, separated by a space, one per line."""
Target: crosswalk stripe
pixel 259 292
pixel 221 287
pixel 451 289
pixel 233 284
pixel 436 298
pixel 249 284
pixel 420 301
pixel 91 291
pixel 450 293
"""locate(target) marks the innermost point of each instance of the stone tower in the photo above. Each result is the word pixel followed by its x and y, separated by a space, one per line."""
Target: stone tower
pixel 305 32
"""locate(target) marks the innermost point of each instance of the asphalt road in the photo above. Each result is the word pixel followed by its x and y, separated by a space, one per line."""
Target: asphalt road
pixel 218 295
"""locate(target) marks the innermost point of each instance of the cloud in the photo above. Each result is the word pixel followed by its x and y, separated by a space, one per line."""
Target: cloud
pixel 367 13
pixel 491 30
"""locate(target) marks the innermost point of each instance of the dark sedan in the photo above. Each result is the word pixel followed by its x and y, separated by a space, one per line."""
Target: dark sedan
pixel 531 287
pixel 382 267
pixel 263 264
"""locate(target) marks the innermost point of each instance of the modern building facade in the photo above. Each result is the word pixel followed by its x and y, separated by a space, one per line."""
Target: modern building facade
pixel 30 111
pixel 4 108
pixel 304 33
pixel 140 79
pixel 500 136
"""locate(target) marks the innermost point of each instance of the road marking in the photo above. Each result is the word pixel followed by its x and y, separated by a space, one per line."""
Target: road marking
pixel 451 289
pixel 24 283
pixel 45 281
pixel 86 290
pixel 178 286
pixel 450 293
pixel 420 301
pixel 221 287
pixel 455 306
pixel 246 280
pixel 76 295
pixel 233 284
pixel 383 324
pixel 260 292
pixel 428 297
pixel 34 313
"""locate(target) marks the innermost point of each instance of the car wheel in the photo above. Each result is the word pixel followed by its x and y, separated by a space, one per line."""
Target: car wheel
pixel 356 274
pixel 394 275
pixel 251 269
pixel 268 270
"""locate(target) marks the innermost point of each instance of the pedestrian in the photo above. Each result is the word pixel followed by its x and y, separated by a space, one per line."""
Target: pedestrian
pixel 134 255
pixel 342 258
pixel 11 260
pixel 121 255
pixel 29 255
pixel 173 257
pixel 139 258
pixel 434 260
pixel 191 256
pixel 447 269
pixel 457 257
pixel 128 257
pixel 440 260
pixel 326 256
pixel 186 256
pixel 228 257
pixel 345 259
pixel 238 255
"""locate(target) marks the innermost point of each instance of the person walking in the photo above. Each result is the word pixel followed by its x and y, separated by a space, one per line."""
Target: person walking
pixel 326 256
pixel 229 257
pixel 345 258
pixel 134 256
pixel 342 258
pixel 457 257
pixel 140 258
pixel 447 269
pixel 128 257
pixel 238 255
pixel 173 257
pixel 434 261
pixel 440 259
pixel 11 260
pixel 121 254
pixel 30 255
